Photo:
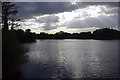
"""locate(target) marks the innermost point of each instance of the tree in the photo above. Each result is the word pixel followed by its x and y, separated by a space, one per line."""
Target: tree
pixel 27 30
pixel 13 24
pixel 9 11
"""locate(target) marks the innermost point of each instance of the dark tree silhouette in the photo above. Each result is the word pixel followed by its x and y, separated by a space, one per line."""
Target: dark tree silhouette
pixel 9 11
pixel 13 24
pixel 25 37
pixel 12 51
pixel 106 33
pixel 102 34
pixel 27 30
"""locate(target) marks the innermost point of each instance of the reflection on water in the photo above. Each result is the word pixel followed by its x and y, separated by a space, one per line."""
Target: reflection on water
pixel 72 59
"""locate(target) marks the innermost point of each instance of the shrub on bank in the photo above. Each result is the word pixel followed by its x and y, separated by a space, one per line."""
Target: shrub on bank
pixel 12 56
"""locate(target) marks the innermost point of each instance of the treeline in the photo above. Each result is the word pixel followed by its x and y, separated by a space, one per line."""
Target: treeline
pixel 24 36
pixel 100 34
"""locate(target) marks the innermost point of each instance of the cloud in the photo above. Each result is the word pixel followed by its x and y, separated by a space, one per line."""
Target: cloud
pixel 111 11
pixel 29 9
pixel 47 19
pixel 49 16
pixel 99 22
pixel 50 26
pixel 71 30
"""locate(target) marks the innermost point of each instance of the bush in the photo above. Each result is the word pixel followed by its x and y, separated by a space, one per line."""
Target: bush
pixel 13 55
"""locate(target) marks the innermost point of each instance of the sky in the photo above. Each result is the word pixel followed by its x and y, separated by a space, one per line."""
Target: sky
pixel 72 17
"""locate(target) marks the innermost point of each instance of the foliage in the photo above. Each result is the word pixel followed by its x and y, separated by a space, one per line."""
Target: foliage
pixel 25 37
pixel 13 56
pixel 13 53
pixel 105 33
pixel 9 12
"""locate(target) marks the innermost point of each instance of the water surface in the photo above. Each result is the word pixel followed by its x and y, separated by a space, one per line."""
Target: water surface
pixel 72 59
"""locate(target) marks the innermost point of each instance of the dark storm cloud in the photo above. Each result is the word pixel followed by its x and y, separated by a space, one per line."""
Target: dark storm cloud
pixel 29 9
pixel 99 22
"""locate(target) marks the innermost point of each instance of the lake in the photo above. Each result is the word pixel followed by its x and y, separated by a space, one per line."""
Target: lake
pixel 71 58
